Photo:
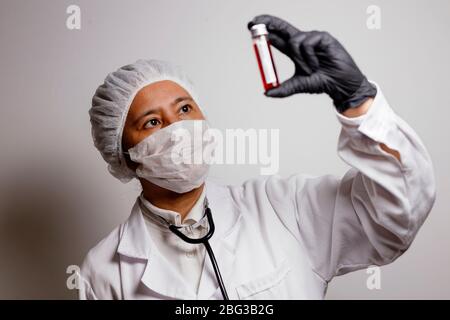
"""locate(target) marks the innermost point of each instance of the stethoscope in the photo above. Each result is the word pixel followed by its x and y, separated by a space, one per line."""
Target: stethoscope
pixel 204 240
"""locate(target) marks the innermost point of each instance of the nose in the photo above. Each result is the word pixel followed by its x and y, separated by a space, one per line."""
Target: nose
pixel 170 117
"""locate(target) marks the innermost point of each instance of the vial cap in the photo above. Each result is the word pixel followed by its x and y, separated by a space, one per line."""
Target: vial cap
pixel 258 30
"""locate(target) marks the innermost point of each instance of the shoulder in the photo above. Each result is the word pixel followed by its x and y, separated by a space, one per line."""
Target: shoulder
pixel 256 193
pixel 239 193
pixel 100 268
pixel 277 188
pixel 103 252
pixel 272 187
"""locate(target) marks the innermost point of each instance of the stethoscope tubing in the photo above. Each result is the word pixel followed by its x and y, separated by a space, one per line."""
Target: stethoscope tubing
pixel 205 242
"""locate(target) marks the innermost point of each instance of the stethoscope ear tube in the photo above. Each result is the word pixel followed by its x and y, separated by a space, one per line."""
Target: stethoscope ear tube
pixel 211 230
pixel 205 242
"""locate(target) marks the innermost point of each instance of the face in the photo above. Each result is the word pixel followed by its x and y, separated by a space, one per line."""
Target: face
pixel 154 107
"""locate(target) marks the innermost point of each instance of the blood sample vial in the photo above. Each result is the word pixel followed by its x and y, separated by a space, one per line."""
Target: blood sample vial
pixel 261 44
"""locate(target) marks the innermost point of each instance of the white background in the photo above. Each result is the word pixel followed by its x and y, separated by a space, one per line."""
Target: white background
pixel 57 199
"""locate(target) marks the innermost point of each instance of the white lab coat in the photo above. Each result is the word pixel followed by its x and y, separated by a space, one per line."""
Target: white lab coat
pixel 286 238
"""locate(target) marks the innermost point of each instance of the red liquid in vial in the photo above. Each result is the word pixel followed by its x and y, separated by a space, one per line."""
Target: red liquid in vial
pixel 274 83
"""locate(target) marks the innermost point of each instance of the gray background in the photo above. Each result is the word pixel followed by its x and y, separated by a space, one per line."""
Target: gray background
pixel 57 199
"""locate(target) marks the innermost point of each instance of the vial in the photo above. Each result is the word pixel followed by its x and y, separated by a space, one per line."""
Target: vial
pixel 261 44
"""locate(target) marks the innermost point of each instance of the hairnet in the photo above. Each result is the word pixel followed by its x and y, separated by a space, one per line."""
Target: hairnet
pixel 112 100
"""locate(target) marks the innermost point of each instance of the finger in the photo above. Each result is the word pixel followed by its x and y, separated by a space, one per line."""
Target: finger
pixel 297 84
pixel 297 56
pixel 284 46
pixel 284 28
pixel 308 50
pixel 286 88
pixel 279 43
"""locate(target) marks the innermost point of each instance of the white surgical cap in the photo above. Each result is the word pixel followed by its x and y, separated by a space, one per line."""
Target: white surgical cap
pixel 112 101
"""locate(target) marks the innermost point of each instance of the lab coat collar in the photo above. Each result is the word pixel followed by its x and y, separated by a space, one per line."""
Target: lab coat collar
pixel 134 239
pixel 173 217
pixel 159 276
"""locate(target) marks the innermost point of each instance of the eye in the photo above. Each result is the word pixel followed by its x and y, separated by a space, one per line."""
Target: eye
pixel 186 108
pixel 151 123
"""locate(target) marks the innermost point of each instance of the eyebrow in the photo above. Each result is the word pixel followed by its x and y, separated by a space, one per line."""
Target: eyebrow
pixel 154 110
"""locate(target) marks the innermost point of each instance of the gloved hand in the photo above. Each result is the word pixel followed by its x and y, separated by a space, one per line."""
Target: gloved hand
pixel 321 65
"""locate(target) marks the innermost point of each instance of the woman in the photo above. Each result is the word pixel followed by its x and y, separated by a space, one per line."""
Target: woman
pixel 275 238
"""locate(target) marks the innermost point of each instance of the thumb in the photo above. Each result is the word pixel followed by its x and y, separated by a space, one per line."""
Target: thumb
pixel 286 88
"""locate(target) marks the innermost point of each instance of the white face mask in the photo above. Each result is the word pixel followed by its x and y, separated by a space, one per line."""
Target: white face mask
pixel 176 157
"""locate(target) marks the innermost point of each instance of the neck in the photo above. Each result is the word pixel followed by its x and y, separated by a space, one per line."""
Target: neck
pixel 170 200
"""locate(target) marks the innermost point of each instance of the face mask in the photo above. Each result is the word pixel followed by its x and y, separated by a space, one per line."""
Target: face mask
pixel 176 157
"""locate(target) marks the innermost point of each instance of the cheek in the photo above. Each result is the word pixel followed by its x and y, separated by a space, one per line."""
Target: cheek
pixel 137 136
pixel 129 139
pixel 199 115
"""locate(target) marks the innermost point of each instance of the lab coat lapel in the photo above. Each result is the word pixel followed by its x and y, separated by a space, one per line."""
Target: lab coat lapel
pixel 134 240
pixel 159 275
pixel 227 222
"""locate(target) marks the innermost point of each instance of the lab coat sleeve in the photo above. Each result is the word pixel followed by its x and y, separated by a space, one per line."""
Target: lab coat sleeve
pixel 100 271
pixel 372 214
pixel 85 291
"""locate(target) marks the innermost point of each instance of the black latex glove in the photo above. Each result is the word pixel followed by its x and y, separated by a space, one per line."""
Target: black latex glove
pixel 322 65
